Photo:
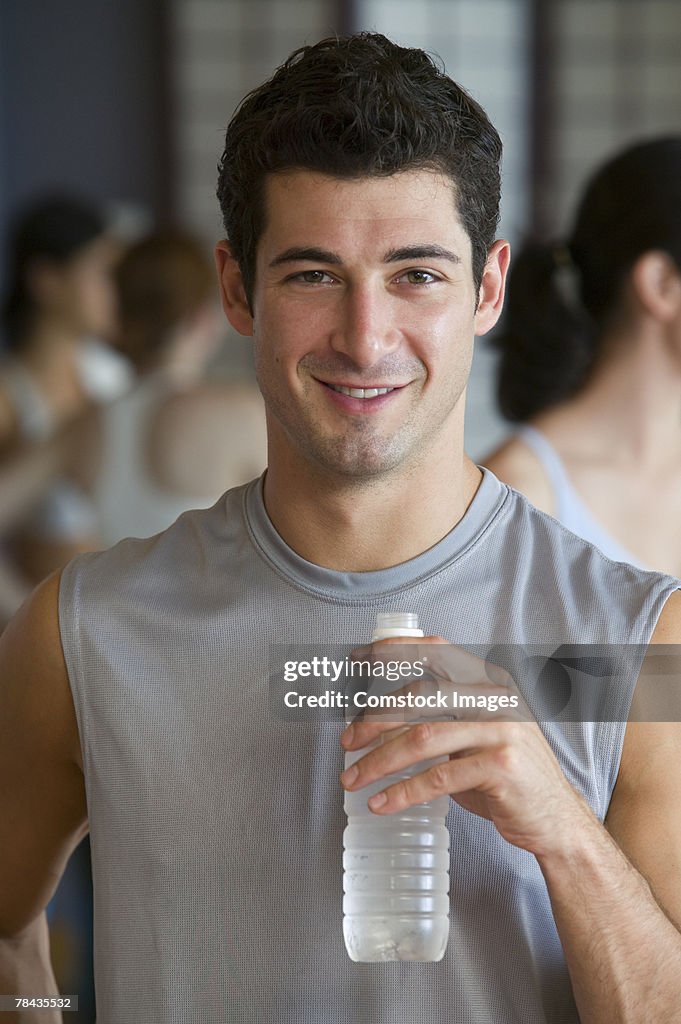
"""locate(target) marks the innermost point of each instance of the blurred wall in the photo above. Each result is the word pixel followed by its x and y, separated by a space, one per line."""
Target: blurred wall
pixel 615 72
pixel 222 50
pixel 83 102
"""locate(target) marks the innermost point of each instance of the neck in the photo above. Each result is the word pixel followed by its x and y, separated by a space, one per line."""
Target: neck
pixel 367 525
pixel 50 357
pixel 51 348
pixel 630 409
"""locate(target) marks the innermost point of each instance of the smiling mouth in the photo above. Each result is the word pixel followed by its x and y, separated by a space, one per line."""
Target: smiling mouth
pixel 360 392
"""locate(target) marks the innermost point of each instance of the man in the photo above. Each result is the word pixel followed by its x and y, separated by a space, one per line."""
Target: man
pixel 360 194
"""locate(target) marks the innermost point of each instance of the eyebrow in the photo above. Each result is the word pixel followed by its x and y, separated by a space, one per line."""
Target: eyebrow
pixel 407 252
pixel 309 255
pixel 420 252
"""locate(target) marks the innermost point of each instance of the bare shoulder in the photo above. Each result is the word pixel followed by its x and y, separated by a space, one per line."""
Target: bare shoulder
pixel 656 706
pixel 42 799
pixel 643 815
pixel 668 628
pixel 34 686
pixel 209 438
pixel 515 463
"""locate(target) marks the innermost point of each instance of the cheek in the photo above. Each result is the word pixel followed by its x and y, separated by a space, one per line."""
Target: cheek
pixel 266 353
pixel 443 334
pixel 299 318
pixel 281 337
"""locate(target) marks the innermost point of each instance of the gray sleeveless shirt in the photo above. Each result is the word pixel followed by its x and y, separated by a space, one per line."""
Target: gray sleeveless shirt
pixel 216 827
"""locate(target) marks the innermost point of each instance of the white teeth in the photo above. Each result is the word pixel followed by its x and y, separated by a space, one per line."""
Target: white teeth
pixel 360 392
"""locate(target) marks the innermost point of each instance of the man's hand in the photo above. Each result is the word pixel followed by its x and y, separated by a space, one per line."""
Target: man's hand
pixel 499 765
pixel 615 920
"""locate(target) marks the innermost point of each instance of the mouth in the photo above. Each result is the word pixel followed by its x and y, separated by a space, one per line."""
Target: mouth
pixel 361 393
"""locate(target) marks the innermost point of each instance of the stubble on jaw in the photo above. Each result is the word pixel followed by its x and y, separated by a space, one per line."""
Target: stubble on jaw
pixel 357 452
pixel 359 457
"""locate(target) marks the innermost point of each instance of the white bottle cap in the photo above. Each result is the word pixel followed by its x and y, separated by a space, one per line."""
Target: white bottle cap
pixel 396 624
pixel 397 620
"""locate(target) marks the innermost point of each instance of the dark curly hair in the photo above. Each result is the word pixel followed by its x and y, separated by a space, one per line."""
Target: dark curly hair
pixel 353 107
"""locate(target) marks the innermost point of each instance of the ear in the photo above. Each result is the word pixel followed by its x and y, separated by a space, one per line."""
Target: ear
pixel 492 286
pixel 657 284
pixel 232 291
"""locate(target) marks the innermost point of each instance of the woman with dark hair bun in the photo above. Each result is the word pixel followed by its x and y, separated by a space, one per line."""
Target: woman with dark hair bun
pixel 590 363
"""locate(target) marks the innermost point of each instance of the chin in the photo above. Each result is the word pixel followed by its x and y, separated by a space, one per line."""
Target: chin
pixel 357 466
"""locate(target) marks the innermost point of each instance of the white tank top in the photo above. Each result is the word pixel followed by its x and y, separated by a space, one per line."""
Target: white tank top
pixel 64 512
pixel 128 501
pixel 571 511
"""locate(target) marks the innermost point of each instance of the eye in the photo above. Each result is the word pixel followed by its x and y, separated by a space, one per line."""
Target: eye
pixel 312 277
pixel 418 277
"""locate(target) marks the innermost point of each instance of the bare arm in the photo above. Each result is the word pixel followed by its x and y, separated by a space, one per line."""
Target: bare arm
pixel 614 890
pixel 617 901
pixel 618 923
pixel 42 797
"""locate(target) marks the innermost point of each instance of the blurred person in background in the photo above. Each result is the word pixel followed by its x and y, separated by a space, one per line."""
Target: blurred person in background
pixel 58 311
pixel 177 440
pixel 27 472
pixel 590 363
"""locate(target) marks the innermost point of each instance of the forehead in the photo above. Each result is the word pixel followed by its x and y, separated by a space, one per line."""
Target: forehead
pixel 305 208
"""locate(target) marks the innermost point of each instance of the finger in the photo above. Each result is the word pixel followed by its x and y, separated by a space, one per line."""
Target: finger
pixel 439 658
pixel 403 641
pixel 430 700
pixel 446 778
pixel 458 665
pixel 384 702
pixel 418 743
pixel 388 662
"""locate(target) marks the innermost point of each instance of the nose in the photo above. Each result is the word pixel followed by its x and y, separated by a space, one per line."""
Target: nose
pixel 365 331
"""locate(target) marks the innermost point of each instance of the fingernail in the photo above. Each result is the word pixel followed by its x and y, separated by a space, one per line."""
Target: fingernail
pixel 349 775
pixel 346 737
pixel 377 801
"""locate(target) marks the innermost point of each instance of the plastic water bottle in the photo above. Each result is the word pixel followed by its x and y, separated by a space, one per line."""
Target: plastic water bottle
pixel 395 866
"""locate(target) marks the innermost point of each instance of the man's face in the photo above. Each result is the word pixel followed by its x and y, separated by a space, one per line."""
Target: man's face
pixel 364 312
